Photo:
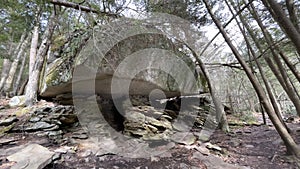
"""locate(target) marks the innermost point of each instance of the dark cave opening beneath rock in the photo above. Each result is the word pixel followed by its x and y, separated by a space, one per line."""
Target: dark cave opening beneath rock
pixel 114 115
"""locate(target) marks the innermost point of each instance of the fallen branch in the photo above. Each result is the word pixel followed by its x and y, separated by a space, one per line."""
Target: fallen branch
pixel 81 7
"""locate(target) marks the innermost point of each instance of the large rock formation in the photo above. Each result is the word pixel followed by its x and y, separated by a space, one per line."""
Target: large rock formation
pixel 121 61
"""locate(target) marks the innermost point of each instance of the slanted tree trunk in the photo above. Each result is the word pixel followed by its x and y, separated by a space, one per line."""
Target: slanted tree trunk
pixel 220 113
pixel 264 78
pixel 283 79
pixel 34 78
pixel 290 65
pixel 290 4
pixel 14 66
pixel 7 62
pixel 286 137
pixel 284 22
pixel 19 77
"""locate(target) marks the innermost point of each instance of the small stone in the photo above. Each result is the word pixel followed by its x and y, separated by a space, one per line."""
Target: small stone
pixel 55 133
pixel 234 143
pixel 56 156
pixel 39 126
pixel 184 138
pixel 249 146
pixel 17 101
pixel 80 136
pixel 203 150
pixel 213 147
pixel 86 153
pixel 63 149
pixel 34 119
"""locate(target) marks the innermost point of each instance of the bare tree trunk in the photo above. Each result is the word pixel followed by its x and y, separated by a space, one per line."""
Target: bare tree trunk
pixel 292 13
pixel 286 84
pixel 264 78
pixel 220 113
pixel 21 91
pixel 33 47
pixel 233 111
pixel 5 70
pixel 286 137
pixel 274 70
pixel 19 77
pixel 7 62
pixel 284 22
pixel 14 66
pixel 290 65
pixel 34 78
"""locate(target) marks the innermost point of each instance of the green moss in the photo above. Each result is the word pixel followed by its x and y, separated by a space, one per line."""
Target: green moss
pixel 6 128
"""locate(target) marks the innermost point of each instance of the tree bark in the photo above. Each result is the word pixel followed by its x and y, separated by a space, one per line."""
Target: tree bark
pixel 220 113
pixel 5 69
pixel 290 65
pixel 286 137
pixel 14 66
pixel 33 47
pixel 292 13
pixel 19 77
pixel 284 79
pixel 34 78
pixel 7 62
pixel 264 78
pixel 283 21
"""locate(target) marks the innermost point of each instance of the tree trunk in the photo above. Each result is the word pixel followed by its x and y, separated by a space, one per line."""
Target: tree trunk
pixel 290 4
pixel 33 47
pixel 21 91
pixel 220 113
pixel 290 65
pixel 5 70
pixel 283 21
pixel 286 137
pixel 284 79
pixel 264 78
pixel 34 78
pixel 14 67
pixel 19 77
pixel 7 62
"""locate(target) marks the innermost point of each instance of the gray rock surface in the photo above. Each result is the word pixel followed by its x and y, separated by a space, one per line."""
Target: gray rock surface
pixel 134 57
pixel 17 101
pixel 8 121
pixel 33 156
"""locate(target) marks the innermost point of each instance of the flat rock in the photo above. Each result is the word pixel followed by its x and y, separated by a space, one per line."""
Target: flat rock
pixel 8 121
pixel 184 138
pixel 39 126
pixel 7 141
pixel 34 156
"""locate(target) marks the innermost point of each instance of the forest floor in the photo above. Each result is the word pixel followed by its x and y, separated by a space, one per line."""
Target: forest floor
pixel 253 146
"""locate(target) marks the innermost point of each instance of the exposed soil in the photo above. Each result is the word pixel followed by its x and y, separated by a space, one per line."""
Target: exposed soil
pixel 259 147
pixel 254 146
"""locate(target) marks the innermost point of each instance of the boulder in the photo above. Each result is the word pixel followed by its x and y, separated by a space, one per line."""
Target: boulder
pixel 125 60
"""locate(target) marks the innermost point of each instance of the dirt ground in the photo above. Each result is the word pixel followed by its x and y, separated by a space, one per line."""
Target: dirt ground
pixel 259 147
pixel 253 146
